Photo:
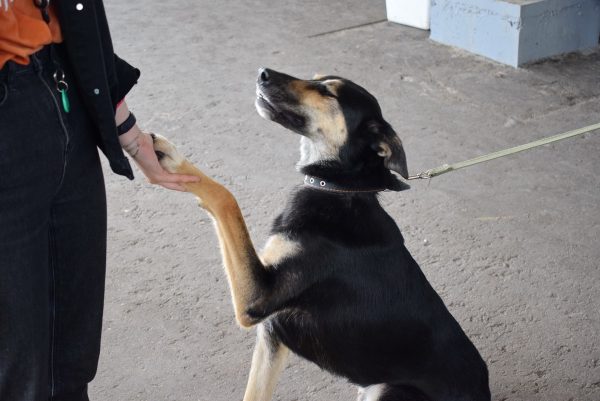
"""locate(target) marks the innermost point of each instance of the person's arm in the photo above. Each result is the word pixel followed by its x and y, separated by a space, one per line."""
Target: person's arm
pixel 140 147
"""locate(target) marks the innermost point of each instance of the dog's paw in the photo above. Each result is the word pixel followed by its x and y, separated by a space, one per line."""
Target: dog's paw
pixel 168 156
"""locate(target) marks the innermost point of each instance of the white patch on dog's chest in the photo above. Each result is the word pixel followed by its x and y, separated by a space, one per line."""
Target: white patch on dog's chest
pixel 371 393
pixel 277 248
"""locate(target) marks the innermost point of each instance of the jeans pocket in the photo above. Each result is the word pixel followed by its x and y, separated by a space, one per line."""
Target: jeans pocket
pixel 31 137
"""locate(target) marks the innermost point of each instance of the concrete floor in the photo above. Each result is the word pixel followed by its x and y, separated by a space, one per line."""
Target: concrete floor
pixel 512 246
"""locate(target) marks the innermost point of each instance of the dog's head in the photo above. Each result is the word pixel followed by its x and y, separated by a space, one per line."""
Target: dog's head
pixel 340 123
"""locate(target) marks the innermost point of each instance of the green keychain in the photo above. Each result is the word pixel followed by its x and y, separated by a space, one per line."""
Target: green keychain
pixel 65 100
pixel 62 87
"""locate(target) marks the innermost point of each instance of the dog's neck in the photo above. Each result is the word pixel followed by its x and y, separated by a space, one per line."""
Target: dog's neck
pixel 320 163
pixel 313 152
pixel 335 175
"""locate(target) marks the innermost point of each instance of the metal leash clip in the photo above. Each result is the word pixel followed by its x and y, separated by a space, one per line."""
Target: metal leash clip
pixel 423 175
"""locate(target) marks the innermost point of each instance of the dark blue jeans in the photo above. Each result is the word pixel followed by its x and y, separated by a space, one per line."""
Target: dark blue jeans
pixel 52 238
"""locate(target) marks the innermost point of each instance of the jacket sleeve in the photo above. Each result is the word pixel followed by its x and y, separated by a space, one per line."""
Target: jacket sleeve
pixel 126 77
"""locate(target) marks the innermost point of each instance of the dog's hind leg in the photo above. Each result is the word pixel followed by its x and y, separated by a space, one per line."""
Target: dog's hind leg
pixel 268 361
pixel 245 272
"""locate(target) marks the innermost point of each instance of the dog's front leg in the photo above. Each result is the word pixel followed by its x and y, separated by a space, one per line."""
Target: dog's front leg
pixel 268 361
pixel 245 272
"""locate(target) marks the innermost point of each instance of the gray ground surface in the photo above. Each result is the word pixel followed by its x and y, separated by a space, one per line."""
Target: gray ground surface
pixel 512 246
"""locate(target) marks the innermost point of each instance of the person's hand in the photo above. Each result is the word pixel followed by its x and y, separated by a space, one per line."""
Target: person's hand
pixel 142 151
pixel 139 146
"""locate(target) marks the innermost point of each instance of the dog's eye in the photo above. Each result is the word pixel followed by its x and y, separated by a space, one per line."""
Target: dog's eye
pixel 325 91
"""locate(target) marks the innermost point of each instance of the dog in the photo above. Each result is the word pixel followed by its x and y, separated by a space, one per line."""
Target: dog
pixel 335 283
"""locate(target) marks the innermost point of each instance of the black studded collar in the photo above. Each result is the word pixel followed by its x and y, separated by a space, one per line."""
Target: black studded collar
pixel 326 185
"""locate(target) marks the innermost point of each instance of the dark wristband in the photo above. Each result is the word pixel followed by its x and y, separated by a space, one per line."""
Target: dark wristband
pixel 126 125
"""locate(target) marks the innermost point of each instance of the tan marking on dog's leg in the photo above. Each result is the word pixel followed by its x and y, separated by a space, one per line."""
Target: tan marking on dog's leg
pixel 241 261
pixel 239 256
pixel 268 361
pixel 277 248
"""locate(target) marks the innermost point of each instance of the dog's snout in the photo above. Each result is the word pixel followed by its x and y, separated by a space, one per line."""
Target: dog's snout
pixel 264 74
pixel 268 77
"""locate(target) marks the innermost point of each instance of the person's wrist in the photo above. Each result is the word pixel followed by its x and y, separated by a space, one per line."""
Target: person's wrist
pixel 132 140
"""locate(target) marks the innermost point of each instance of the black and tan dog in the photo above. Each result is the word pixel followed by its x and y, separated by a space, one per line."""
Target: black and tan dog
pixel 335 283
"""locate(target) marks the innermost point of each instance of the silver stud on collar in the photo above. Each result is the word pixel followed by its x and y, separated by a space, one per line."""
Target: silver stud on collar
pixel 322 183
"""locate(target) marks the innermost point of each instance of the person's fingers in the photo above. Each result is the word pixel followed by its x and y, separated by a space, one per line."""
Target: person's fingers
pixel 187 178
pixel 166 177
pixel 173 186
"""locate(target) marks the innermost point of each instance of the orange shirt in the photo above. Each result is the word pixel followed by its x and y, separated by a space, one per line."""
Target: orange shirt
pixel 23 31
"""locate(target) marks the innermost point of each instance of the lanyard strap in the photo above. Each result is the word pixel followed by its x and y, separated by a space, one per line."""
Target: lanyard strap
pixel 43 6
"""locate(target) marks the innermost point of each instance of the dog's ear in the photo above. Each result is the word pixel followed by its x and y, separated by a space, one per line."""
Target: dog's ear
pixel 387 144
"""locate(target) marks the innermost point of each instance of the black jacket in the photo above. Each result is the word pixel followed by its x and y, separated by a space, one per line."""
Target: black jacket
pixel 103 78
